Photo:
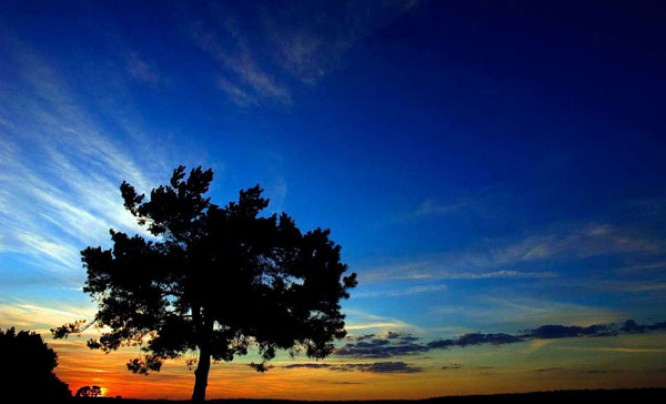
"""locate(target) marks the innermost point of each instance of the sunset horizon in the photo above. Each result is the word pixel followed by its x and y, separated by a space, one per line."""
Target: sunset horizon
pixel 491 172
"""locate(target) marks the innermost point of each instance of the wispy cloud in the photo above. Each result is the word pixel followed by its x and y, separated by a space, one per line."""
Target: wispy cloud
pixel 358 320
pixel 310 40
pixel 409 291
pixel 426 273
pixel 430 207
pixel 536 345
pixel 644 267
pixel 242 77
pixel 236 93
pixel 582 241
pixel 140 69
pixel 61 160
pixel 656 285
pixel 494 259
pixel 57 251
pixel 375 325
pixel 261 56
pixel 508 313
pixel 28 315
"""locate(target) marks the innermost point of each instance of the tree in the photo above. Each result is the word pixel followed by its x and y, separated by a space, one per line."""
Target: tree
pixel 213 279
pixel 88 391
pixel 30 363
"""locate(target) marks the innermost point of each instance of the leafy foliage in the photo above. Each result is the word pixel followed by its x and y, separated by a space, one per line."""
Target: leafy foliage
pixel 32 363
pixel 214 279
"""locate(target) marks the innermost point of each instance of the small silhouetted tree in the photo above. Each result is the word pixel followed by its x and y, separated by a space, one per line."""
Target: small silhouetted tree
pixel 214 280
pixel 28 369
pixel 89 391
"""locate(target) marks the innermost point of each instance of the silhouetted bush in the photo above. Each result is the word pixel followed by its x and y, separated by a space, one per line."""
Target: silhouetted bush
pixel 28 370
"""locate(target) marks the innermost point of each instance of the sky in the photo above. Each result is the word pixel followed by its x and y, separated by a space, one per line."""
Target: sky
pixel 493 172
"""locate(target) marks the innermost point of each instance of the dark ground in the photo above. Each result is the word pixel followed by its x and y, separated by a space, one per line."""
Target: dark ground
pixel 568 397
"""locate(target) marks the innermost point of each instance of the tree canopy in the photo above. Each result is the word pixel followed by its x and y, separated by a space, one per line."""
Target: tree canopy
pixel 214 279
pixel 30 363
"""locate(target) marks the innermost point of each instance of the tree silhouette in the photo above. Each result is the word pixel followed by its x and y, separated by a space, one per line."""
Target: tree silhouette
pixel 213 279
pixel 29 367
pixel 89 391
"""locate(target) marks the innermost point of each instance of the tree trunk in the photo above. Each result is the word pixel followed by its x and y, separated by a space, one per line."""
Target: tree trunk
pixel 203 368
pixel 201 375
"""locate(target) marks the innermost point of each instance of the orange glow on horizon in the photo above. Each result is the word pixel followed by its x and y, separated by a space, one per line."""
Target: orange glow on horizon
pixel 624 362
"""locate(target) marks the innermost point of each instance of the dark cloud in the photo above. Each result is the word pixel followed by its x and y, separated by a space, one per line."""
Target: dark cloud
pixel 563 331
pixel 373 346
pixel 475 339
pixel 657 326
pixel 495 339
pixel 399 344
pixel 308 365
pixel 631 327
pixel 453 366
pixel 380 350
pixel 394 335
pixel 393 344
pixel 342 383
pixel 377 367
pixel 403 338
pixel 597 330
pixel 543 370
pixel 596 372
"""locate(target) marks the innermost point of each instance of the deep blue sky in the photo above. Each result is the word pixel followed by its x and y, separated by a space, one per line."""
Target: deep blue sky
pixel 485 166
